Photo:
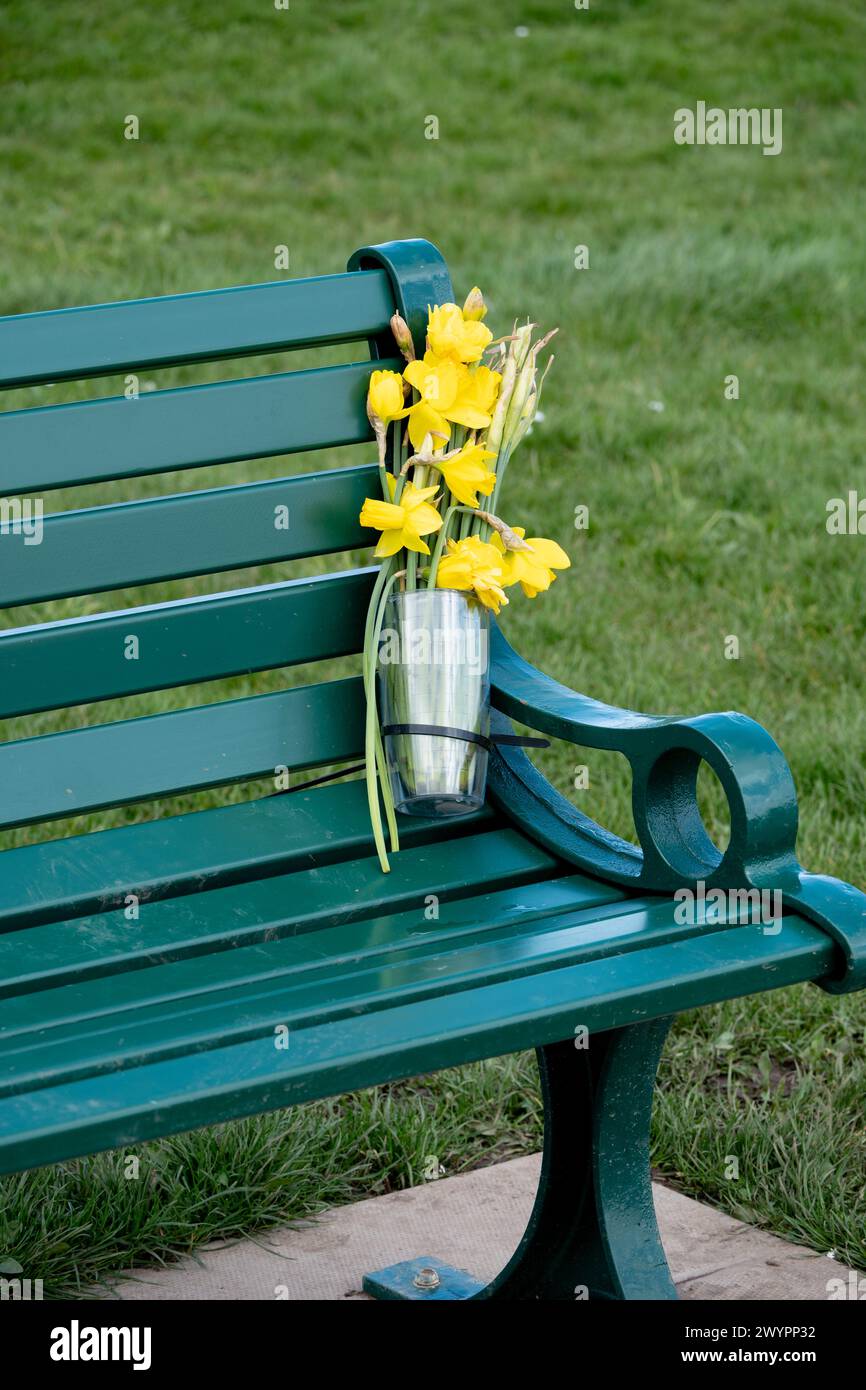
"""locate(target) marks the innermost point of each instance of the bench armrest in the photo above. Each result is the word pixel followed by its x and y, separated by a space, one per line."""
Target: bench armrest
pixel 665 753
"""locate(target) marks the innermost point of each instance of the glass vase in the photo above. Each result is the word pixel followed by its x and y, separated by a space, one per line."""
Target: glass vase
pixel 434 675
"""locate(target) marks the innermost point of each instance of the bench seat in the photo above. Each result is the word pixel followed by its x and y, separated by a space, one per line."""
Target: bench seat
pixel 116 1030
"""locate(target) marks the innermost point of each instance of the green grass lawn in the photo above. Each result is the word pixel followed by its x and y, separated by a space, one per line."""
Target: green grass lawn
pixel 306 127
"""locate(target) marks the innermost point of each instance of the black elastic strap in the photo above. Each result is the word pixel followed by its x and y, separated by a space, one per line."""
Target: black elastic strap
pixel 317 781
pixel 438 731
pixel 466 735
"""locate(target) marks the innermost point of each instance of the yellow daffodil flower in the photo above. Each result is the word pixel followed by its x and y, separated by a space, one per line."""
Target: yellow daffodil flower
pixel 446 392
pixel 483 388
pixel 473 564
pixel 385 396
pixel 466 475
pixel 534 569
pixel 402 523
pixel 451 335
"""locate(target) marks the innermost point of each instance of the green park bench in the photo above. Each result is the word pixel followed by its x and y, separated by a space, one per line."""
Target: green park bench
pixel 272 914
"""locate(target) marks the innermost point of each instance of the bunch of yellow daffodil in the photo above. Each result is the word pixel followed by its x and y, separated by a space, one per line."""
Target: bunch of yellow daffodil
pixel 465 417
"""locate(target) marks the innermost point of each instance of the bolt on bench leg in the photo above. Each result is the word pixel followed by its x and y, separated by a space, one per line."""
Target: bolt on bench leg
pixel 592 1233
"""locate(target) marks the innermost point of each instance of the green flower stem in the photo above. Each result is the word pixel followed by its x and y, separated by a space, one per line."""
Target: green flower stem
pixel 397 427
pixel 456 510
pixel 370 724
pixel 461 434
pixel 374 757
pixel 387 794
pixel 501 465
pixel 373 785
pixel 419 479
pixel 386 571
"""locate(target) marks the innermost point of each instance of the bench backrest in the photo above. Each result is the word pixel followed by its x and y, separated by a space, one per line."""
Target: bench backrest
pixel 102 548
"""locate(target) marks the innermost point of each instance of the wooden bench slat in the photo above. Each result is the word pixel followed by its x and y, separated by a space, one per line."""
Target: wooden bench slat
pixel 101 548
pixel 61 344
pixel 91 441
pixel 570 918
pixel 321 974
pixel 75 991
pixel 77 660
pixel 465 1021
pixel 82 770
pixel 306 900
pixel 202 849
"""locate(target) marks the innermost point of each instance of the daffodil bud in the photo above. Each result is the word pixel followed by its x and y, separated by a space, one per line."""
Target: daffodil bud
pixel 527 415
pixel 385 396
pixel 524 387
pixel 402 337
pixel 474 307
pixel 506 387
pixel 521 343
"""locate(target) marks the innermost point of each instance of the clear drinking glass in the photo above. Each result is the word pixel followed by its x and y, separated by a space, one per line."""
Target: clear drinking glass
pixel 434 670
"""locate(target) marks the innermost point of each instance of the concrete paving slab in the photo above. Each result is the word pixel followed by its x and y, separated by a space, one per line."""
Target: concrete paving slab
pixel 474 1222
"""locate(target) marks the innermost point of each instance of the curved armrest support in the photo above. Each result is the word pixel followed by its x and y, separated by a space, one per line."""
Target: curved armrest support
pixel 665 754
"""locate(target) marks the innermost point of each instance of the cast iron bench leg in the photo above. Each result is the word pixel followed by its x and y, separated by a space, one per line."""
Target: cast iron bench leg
pixel 592 1233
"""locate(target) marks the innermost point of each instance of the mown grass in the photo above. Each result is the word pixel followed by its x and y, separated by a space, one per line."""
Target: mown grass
pixel 306 128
